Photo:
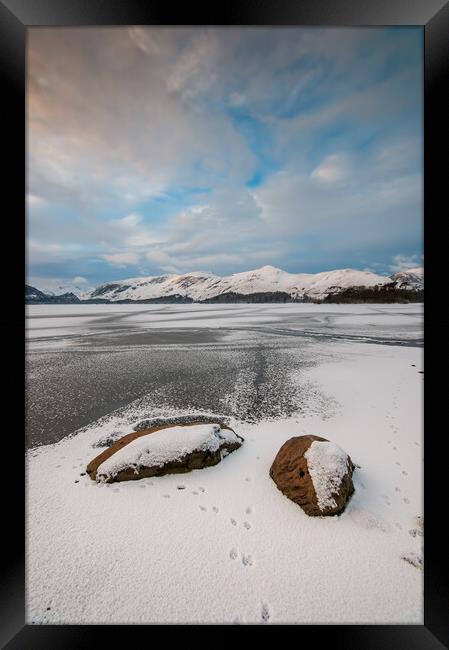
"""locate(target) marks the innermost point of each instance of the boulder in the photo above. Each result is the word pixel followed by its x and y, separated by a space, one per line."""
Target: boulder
pixel 165 449
pixel 314 473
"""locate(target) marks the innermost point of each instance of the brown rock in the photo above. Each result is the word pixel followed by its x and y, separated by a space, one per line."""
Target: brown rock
pixel 194 460
pixel 291 474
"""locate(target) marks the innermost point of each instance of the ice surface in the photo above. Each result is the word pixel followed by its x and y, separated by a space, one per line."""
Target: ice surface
pixel 392 321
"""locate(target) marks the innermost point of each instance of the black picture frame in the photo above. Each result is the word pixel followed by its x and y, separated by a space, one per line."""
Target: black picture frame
pixel 433 16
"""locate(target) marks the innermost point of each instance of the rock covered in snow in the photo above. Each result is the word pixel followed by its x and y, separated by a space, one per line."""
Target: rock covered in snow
pixel 165 449
pixel 314 473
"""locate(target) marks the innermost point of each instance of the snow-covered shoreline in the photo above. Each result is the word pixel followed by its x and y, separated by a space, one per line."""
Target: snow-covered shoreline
pixel 222 544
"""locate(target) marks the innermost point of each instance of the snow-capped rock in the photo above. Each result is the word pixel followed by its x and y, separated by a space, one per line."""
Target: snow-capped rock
pixel 314 473
pixel 164 450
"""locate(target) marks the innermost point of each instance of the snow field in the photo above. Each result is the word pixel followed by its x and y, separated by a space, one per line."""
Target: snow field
pixel 223 545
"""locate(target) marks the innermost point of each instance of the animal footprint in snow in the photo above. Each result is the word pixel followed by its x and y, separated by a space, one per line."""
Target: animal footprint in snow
pixel 414 559
pixel 367 519
pixel 248 478
pixel 233 554
pixel 249 510
pixel 247 560
pixel 265 613
pixel 233 522
pixel 203 508
pixel 406 500
pixel 398 463
pixel 201 489
pixel 247 525
pixel 214 508
pixel 419 521
pixel 166 496
pixel 180 487
pixel 404 472
pixel 195 492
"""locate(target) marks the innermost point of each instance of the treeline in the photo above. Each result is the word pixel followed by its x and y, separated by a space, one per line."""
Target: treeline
pixel 265 296
pixel 385 293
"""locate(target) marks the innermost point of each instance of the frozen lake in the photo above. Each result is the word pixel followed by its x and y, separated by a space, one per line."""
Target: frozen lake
pixel 85 361
pixel 222 544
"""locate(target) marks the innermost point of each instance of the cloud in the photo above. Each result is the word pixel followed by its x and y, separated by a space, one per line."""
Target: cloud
pixel 122 259
pixel 220 149
pixel 144 40
pixel 332 169
pixel 35 200
pixel 108 129
pixel 78 279
pixel 127 223
pixel 354 197
pixel 405 262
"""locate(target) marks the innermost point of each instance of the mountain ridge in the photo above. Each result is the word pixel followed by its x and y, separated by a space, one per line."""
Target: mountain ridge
pixel 267 284
pixel 200 287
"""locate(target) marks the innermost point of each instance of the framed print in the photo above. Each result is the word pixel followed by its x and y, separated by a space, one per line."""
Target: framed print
pixel 225 221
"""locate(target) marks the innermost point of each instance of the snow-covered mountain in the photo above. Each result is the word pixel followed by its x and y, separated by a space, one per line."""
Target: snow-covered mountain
pixel 198 286
pixel 35 296
pixel 410 279
pixel 79 290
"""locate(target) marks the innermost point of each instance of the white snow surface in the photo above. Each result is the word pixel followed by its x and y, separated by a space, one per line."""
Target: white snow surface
pixel 50 322
pixel 201 286
pixel 327 464
pixel 223 544
pixel 161 447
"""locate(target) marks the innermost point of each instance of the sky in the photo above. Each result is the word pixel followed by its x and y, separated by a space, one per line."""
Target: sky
pixel 154 150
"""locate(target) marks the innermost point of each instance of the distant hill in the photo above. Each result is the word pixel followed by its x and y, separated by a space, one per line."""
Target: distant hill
pixel 35 296
pixel 410 279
